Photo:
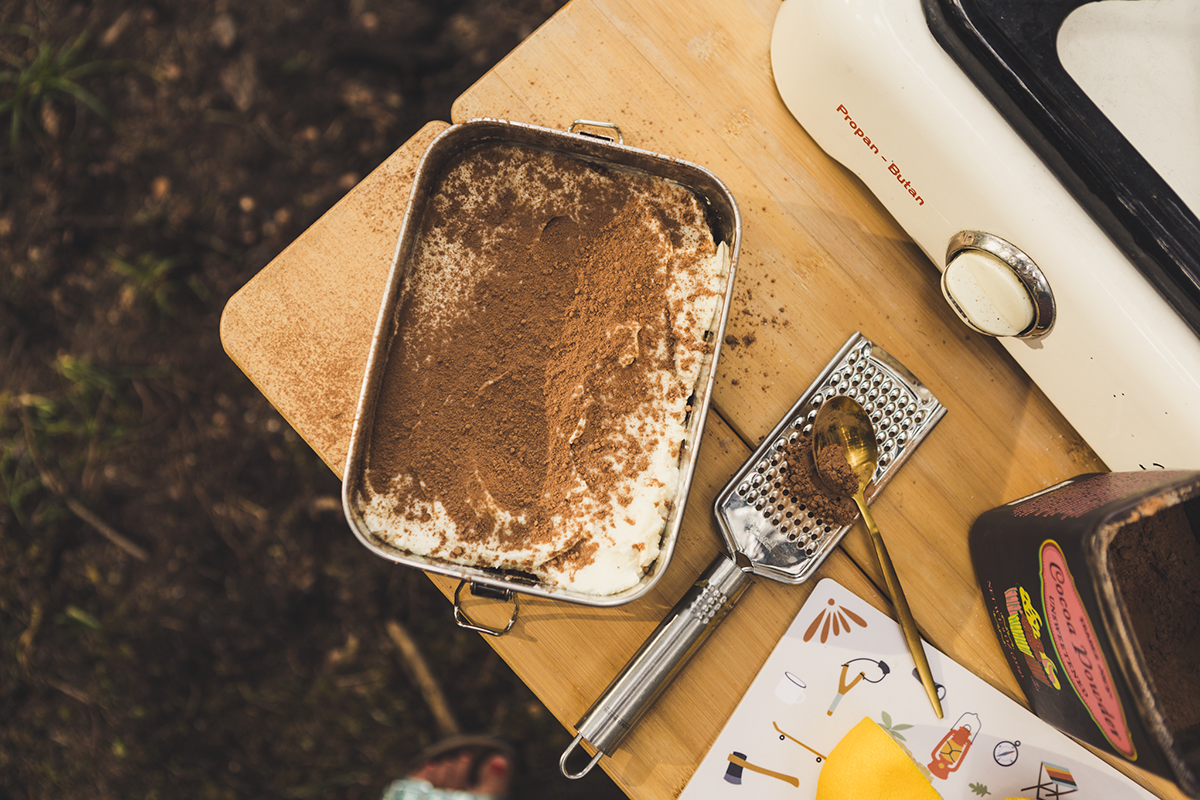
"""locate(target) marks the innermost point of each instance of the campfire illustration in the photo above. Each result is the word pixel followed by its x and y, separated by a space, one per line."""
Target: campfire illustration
pixel 838 618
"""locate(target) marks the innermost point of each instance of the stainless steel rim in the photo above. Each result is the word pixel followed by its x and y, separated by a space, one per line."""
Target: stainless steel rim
pixel 1024 267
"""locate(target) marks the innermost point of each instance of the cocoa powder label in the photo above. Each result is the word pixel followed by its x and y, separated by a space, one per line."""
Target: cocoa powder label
pixel 1078 647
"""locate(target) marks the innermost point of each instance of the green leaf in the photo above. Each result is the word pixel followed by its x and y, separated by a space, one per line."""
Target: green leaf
pixel 45 76
pixel 887 719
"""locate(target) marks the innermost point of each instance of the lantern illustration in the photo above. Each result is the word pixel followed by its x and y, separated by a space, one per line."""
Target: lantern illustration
pixel 953 747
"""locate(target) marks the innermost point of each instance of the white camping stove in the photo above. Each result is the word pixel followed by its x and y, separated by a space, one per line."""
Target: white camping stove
pixel 1043 156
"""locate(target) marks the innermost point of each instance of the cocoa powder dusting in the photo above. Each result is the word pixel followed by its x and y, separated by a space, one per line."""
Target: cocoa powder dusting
pixel 1155 563
pixel 833 504
pixel 532 329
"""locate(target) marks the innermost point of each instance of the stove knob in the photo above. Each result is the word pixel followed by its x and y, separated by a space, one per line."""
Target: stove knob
pixel 995 288
pixel 987 294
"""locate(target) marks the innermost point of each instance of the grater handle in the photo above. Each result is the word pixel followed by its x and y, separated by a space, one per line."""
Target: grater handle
pixel 659 660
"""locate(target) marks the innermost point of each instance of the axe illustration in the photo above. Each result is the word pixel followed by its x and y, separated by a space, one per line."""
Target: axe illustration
pixel 738 762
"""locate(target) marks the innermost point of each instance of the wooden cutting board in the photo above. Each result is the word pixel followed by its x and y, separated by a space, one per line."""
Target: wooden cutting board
pixel 301 330
pixel 820 259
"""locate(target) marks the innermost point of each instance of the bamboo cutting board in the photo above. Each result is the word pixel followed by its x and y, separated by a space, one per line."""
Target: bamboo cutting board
pixel 820 259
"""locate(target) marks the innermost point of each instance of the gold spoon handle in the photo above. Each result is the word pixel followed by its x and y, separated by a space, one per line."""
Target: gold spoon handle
pixel 907 624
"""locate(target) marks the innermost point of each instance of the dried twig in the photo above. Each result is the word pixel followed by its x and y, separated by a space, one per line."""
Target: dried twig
pixel 430 690
pixel 59 488
pixel 106 530
pixel 72 692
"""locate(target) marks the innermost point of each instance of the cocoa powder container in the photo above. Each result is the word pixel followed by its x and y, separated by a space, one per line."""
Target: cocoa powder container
pixel 1093 586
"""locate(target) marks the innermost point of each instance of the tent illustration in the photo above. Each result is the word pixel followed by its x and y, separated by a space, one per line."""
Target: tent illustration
pixel 1053 782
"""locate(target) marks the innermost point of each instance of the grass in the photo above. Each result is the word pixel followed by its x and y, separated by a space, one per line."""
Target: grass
pixel 152 278
pixel 41 75
pixel 19 478
pixel 79 421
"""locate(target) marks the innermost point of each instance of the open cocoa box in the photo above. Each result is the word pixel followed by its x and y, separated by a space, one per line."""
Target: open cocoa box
pixel 1093 587
pixel 582 144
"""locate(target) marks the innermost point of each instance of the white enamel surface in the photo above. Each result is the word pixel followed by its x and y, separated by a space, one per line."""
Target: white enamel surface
pixel 1119 364
pixel 1140 64
pixel 987 294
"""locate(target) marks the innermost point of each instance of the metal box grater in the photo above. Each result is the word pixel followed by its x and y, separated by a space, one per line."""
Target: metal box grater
pixel 784 540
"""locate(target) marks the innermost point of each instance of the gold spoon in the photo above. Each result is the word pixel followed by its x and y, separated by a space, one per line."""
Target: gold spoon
pixel 842 422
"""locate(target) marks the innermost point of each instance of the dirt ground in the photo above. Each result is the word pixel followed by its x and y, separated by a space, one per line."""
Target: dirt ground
pixel 183 610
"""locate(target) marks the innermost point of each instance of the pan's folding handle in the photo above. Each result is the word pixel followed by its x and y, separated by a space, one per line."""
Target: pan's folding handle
pixel 592 123
pixel 479 590
pixel 659 660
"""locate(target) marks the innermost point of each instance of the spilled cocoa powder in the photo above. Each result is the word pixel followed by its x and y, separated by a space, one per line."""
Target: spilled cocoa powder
pixel 532 329
pixel 802 478
pixel 1155 563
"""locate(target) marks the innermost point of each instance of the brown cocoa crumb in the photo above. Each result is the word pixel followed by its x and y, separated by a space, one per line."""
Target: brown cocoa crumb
pixel 832 504
pixel 834 470
pixel 579 555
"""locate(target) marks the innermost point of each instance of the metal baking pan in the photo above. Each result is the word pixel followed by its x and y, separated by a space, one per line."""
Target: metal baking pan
pixel 579 143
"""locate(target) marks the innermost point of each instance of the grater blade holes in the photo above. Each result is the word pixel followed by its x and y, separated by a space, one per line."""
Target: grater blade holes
pixel 899 413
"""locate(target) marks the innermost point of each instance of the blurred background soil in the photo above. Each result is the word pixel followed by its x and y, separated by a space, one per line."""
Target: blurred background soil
pixel 183 609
